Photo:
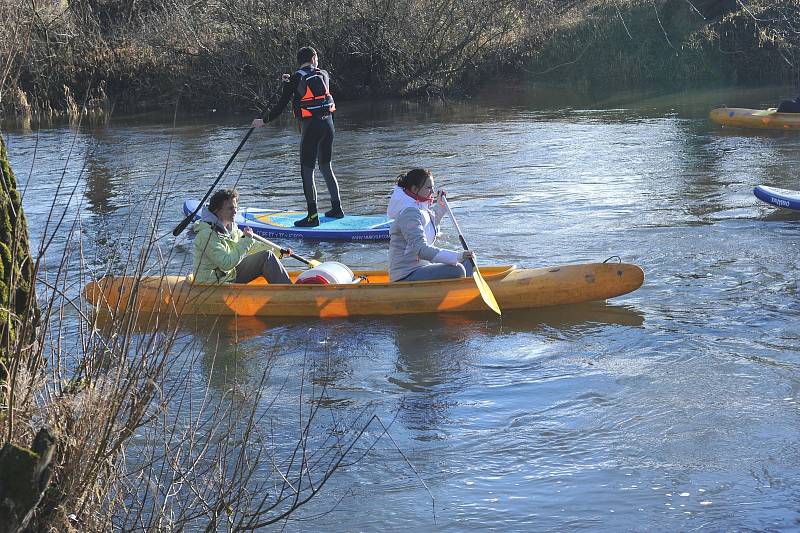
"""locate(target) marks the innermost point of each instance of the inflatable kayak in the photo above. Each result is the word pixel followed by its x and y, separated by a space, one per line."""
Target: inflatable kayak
pixel 514 288
pixel 764 119
pixel 779 197
pixel 272 224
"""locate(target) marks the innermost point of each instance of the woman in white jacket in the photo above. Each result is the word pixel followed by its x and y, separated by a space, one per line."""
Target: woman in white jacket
pixel 417 215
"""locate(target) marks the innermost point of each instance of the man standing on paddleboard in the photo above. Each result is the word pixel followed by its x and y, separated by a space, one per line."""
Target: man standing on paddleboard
pixel 309 90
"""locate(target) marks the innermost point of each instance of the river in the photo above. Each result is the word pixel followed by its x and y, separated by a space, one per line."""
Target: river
pixel 673 408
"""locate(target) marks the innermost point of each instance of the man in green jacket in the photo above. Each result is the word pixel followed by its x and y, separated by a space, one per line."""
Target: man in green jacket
pixel 223 253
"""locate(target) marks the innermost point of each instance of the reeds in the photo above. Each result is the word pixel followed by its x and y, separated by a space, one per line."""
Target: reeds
pixel 229 55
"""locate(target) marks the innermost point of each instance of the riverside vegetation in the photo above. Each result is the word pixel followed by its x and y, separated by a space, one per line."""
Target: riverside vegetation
pixel 77 395
pixel 61 56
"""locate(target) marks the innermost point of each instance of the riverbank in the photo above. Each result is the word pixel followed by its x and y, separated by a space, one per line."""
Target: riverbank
pixel 672 44
pixel 96 59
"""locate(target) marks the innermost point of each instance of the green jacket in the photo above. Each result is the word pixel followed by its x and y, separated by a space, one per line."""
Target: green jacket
pixel 218 251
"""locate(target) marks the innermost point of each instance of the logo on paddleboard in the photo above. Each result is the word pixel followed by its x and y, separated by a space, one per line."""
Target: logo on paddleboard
pixel 779 201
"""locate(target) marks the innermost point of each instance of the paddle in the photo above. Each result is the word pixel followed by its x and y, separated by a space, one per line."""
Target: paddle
pixel 186 221
pixel 277 250
pixel 483 287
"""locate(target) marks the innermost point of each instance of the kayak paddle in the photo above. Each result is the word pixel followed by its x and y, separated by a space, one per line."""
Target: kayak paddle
pixel 182 226
pixel 483 287
pixel 278 250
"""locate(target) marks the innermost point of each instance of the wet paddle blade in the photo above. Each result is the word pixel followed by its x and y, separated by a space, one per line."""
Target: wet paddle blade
pixel 483 287
pixel 486 292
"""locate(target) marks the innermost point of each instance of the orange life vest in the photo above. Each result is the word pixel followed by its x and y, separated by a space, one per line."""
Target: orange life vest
pixel 314 95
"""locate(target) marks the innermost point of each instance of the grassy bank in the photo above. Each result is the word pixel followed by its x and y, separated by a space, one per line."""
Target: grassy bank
pixel 229 54
pixel 126 57
pixel 671 44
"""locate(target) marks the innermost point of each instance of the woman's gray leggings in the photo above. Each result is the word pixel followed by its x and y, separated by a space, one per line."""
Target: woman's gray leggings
pixel 440 271
pixel 263 263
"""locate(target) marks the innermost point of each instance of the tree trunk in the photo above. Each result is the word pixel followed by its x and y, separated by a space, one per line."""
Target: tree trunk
pixel 18 313
pixel 24 481
pixel 24 473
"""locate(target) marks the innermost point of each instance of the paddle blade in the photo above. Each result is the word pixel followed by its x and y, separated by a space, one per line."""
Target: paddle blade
pixel 486 292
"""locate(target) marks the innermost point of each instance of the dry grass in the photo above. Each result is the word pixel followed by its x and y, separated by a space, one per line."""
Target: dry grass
pixel 230 54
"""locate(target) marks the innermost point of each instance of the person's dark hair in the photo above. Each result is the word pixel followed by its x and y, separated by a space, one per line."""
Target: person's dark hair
pixel 415 178
pixel 219 198
pixel 305 54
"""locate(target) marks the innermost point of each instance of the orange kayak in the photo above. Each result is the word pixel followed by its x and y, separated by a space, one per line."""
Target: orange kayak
pixel 763 119
pixel 514 288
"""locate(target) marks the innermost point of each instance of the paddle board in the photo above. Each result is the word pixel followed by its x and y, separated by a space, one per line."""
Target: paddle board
pixel 272 224
pixel 780 197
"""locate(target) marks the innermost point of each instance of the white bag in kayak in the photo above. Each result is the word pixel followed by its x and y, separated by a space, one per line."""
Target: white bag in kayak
pixel 329 272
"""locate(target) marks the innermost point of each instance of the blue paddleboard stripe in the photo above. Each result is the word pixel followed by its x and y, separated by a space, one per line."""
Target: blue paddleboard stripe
pixel 785 198
pixel 349 228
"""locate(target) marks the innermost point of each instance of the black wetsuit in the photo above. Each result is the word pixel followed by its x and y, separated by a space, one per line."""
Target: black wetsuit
pixel 316 143
pixel 790 106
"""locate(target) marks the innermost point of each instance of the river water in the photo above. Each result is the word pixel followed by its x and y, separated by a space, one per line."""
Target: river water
pixel 673 408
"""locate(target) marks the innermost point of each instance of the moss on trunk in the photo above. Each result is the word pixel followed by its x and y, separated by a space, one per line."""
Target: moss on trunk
pixel 17 304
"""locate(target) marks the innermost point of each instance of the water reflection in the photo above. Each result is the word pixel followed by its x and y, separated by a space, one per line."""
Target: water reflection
pixel 431 367
pixel 411 333
pixel 572 317
pixel 99 186
pixel 432 358
pixel 542 408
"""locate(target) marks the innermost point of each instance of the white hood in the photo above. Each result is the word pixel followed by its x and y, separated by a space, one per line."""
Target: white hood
pixel 211 218
pixel 401 201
